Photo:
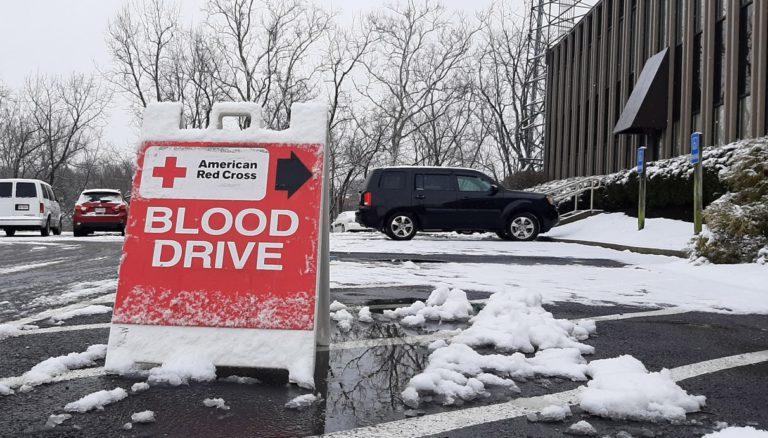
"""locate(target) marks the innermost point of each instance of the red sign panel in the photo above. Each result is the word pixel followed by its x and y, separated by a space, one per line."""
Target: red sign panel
pixel 222 235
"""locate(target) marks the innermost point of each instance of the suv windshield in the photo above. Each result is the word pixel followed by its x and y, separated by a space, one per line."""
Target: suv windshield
pixel 26 190
pixel 99 197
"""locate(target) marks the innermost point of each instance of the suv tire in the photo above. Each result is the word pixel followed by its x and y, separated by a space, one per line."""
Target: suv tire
pixel 522 227
pixel 57 230
pixel 46 230
pixel 10 232
pixel 400 226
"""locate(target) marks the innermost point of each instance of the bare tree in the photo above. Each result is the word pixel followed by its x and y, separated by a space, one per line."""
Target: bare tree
pixel 501 75
pixel 19 143
pixel 67 115
pixel 141 39
pixel 267 46
pixel 418 48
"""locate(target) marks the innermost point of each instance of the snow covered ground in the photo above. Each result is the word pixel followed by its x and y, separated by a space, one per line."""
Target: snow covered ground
pixel 621 229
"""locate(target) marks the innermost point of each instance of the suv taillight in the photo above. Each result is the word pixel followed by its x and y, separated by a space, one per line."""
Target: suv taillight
pixel 367 199
pixel 42 208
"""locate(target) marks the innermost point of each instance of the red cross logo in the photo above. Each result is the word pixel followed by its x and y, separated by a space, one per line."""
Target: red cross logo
pixel 169 172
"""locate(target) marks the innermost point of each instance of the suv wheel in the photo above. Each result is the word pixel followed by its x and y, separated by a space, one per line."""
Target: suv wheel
pixel 46 230
pixel 523 227
pixel 10 232
pixel 57 230
pixel 401 226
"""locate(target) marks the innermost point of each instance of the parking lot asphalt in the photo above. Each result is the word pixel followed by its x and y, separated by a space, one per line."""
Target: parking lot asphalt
pixel 360 385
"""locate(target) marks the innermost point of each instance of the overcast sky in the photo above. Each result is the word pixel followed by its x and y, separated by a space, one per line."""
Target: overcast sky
pixel 64 36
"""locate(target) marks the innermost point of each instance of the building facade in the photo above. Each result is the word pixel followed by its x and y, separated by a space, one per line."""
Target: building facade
pixel 718 76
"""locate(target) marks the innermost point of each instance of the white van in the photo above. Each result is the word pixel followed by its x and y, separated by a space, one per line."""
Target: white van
pixel 28 204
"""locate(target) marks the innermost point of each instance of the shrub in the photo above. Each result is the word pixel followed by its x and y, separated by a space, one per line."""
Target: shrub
pixel 523 179
pixel 738 221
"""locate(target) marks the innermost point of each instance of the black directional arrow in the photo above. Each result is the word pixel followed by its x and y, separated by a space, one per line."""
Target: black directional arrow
pixel 291 174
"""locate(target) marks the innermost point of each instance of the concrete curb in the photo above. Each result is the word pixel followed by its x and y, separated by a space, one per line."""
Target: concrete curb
pixel 616 246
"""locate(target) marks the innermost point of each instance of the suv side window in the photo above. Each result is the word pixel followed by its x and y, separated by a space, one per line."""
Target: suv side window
pixel 46 191
pixel 26 190
pixel 468 183
pixel 392 180
pixel 435 182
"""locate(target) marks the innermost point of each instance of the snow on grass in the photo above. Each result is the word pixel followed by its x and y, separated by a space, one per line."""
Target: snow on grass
pixel 143 417
pixel 738 432
pixel 511 324
pixel 56 419
pixel 46 370
pixel 139 387
pixel 302 401
pixel 551 413
pixel 5 389
pixel 364 315
pixel 94 309
pixel 582 428
pixel 217 403
pixel 96 400
pixel 443 304
pixel 343 319
pixel 180 370
pixel 618 228
pixel 622 388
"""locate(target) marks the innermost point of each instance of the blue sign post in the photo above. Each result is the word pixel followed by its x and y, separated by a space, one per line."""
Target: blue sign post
pixel 698 182
pixel 641 192
pixel 696 148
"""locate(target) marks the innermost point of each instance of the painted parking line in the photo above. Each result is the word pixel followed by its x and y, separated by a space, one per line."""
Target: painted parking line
pixel 457 419
pixel 367 343
pixel 102 299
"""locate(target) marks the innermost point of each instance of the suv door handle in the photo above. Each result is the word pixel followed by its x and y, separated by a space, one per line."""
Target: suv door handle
pixel 419 196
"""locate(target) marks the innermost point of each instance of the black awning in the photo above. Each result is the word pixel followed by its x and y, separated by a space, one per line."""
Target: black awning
pixel 646 109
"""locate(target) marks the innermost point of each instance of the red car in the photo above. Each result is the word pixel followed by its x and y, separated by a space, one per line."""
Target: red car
pixel 100 210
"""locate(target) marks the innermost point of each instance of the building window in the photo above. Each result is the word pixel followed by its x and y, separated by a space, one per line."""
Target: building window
pixel 697 80
pixel 745 69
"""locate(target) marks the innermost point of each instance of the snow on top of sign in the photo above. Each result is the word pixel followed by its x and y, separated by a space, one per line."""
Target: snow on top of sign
pixel 181 369
pixel 308 124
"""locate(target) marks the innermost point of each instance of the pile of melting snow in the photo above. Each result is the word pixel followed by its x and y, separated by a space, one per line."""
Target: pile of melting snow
pixel 738 432
pixel 302 401
pixel 96 400
pixel 217 403
pixel 622 388
pixel 512 325
pixel 443 304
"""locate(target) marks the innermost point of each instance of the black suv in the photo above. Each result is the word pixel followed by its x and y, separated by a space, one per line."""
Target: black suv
pixel 402 200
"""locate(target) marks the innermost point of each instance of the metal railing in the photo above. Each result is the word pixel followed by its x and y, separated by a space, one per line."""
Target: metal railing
pixel 575 189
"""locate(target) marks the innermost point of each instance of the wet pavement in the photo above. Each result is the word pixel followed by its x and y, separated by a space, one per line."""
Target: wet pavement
pixel 360 386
